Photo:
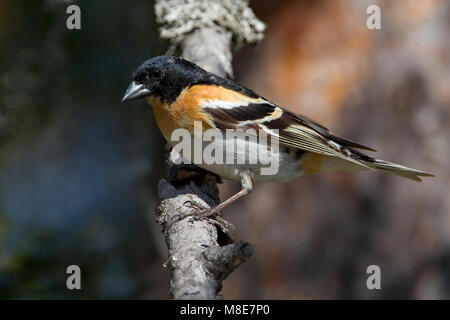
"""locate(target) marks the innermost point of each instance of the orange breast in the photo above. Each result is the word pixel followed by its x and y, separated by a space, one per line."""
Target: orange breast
pixel 182 113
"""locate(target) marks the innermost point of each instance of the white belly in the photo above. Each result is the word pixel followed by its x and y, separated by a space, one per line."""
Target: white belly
pixel 266 163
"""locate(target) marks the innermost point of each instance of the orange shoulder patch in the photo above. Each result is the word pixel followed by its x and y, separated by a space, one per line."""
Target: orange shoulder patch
pixel 212 92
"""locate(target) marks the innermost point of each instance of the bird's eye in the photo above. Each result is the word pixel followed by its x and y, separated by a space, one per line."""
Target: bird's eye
pixel 156 73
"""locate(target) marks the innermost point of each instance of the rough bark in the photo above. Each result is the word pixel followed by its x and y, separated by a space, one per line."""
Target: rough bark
pixel 214 57
pixel 197 261
pixel 200 254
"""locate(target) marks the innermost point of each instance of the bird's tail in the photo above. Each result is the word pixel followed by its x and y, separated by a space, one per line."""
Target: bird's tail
pixel 397 169
pixel 353 159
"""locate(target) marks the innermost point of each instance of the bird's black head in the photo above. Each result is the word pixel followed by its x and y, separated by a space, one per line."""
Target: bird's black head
pixel 164 77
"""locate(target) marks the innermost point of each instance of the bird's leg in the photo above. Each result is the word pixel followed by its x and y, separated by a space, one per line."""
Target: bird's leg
pixel 247 184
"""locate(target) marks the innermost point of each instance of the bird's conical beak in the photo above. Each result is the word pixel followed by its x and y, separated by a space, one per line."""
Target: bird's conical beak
pixel 135 91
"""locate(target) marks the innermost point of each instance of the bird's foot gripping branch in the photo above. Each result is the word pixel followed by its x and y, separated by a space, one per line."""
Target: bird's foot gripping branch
pixel 202 251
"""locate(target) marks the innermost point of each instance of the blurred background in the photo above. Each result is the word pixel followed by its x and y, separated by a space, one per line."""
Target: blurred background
pixel 79 170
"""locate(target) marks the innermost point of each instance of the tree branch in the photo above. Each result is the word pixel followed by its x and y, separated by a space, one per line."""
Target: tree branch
pixel 200 252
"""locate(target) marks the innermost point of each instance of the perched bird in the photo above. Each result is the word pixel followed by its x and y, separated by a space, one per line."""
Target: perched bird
pixel 182 93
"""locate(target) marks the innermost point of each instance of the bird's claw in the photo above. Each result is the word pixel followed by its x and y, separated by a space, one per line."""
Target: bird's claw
pixel 201 212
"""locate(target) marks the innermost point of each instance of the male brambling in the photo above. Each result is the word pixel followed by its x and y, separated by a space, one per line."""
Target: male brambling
pixel 182 93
